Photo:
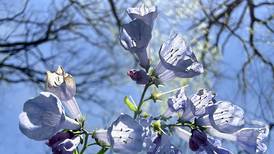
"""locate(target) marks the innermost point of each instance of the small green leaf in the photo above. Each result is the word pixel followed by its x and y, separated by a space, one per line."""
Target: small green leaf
pixel 130 104
pixel 102 151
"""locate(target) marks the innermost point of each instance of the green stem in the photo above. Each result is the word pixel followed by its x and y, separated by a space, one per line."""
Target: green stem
pixel 85 142
pixel 141 101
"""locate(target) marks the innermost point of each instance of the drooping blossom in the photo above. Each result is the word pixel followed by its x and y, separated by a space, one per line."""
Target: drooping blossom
pixel 140 76
pixel 177 60
pixel 135 37
pixel 63 85
pixel 63 143
pixel 123 136
pixel 43 116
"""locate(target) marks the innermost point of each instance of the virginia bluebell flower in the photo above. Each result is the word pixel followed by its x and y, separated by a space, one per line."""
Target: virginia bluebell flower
pixel 177 60
pixel 252 139
pixel 125 135
pixel 200 142
pixel 135 37
pixel 43 116
pixel 63 143
pixel 180 104
pixel 203 101
pixel 63 85
pixel 226 117
pixel 140 76
pixel 163 145
pixel 144 13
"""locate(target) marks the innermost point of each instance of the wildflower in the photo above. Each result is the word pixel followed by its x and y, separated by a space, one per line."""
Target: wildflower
pixel 63 85
pixel 252 139
pixel 43 116
pixel 177 60
pixel 146 14
pixel 226 117
pixel 124 135
pixel 135 37
pixel 162 144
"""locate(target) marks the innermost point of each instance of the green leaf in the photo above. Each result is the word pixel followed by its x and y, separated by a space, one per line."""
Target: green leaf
pixel 130 104
pixel 102 151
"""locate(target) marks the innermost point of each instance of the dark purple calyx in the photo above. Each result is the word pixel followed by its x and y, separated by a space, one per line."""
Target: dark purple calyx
pixel 197 140
pixel 140 76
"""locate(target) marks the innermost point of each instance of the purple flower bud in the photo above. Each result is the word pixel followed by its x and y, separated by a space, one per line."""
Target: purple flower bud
pixel 197 139
pixel 63 143
pixel 140 76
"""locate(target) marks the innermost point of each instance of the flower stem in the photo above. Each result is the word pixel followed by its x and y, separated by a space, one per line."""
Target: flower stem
pixel 85 142
pixel 141 101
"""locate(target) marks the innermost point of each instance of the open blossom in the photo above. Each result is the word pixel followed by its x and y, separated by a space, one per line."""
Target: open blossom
pixel 124 135
pixel 63 85
pixel 43 116
pixel 163 145
pixel 200 142
pixel 135 35
pixel 177 60
pixel 63 143
pixel 226 117
pixel 144 13
pixel 252 140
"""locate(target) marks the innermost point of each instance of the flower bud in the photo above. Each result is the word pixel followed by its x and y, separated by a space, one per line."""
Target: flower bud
pixel 140 76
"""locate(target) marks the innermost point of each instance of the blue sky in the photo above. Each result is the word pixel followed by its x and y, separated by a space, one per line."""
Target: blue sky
pixel 13 97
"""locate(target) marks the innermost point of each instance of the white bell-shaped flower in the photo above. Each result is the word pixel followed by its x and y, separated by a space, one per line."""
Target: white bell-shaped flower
pixel 63 85
pixel 43 116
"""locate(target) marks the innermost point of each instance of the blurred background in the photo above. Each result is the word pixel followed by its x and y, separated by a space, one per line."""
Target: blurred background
pixel 234 39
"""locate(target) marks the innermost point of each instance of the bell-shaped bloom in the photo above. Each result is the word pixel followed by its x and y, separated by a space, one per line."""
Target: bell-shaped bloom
pixel 124 135
pixel 135 37
pixel 43 116
pixel 178 59
pixel 180 104
pixel 146 14
pixel 227 117
pixel 200 142
pixel 251 140
pixel 162 144
pixel 63 85
pixel 140 76
pixel 202 101
pixel 63 143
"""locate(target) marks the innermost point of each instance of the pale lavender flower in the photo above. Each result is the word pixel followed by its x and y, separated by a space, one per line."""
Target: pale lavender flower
pixel 63 85
pixel 63 143
pixel 180 104
pixel 202 101
pixel 252 140
pixel 146 14
pixel 200 142
pixel 135 37
pixel 125 135
pixel 163 145
pixel 177 60
pixel 43 116
pixel 140 76
pixel 226 117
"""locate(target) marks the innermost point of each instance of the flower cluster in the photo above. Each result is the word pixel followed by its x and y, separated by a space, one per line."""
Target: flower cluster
pixel 200 120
